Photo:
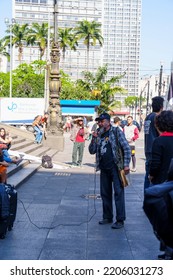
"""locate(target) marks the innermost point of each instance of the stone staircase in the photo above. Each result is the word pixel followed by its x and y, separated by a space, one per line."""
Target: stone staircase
pixel 23 142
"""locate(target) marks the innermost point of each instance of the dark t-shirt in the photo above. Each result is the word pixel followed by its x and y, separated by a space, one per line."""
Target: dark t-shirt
pixel 105 151
pixel 150 132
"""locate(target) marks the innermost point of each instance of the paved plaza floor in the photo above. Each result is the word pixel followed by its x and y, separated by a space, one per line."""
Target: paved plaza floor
pixel 58 214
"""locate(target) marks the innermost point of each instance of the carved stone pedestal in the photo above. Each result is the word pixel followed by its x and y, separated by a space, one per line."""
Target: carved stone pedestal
pixel 54 142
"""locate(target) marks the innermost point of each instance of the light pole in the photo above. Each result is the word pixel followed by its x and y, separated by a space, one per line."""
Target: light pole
pixel 160 84
pixel 10 25
pixel 148 92
pixel 55 125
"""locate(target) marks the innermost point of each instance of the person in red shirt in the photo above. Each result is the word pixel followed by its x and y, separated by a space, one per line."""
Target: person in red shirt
pixel 78 136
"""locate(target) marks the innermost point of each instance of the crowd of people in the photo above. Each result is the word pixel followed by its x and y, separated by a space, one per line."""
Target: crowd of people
pixel 113 143
pixel 104 135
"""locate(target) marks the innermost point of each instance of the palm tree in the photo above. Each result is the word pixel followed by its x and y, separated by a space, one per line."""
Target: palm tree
pixel 66 39
pixel 3 50
pixel 101 89
pixel 90 32
pixel 19 35
pixel 38 35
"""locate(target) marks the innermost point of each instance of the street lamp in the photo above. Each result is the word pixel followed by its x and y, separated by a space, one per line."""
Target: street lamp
pixel 10 25
pixel 160 84
pixel 55 125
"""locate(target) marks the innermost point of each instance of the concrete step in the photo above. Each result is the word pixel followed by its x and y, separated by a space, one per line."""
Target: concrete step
pixel 17 140
pixel 20 145
pixel 13 168
pixel 20 176
pixel 16 175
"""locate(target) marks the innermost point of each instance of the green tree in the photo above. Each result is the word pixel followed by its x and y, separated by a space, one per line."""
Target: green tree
pixel 91 33
pixel 130 101
pixel 71 90
pixel 19 35
pixel 38 35
pixel 67 40
pixel 25 82
pixel 3 49
pixel 4 84
pixel 102 89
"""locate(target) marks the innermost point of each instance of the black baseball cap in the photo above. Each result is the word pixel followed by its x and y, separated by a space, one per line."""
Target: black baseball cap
pixel 103 116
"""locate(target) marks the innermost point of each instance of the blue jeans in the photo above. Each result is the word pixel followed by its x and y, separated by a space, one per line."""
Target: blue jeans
pixel 109 180
pixel 39 134
pixel 6 156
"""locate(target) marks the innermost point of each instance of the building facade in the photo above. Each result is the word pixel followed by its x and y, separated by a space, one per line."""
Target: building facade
pixel 120 29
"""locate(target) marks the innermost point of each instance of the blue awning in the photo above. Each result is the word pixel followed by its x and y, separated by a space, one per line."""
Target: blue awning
pixel 79 107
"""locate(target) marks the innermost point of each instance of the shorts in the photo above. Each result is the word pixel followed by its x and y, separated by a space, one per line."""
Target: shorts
pixel 132 150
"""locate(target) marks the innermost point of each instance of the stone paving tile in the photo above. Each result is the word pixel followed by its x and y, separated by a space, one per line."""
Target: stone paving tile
pixel 74 249
pixel 57 201
pixel 109 250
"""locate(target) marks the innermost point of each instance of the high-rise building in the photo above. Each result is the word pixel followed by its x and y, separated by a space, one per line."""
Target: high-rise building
pixel 120 29
pixel 121 33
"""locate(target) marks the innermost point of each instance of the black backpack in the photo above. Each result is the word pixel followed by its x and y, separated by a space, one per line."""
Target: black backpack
pixel 159 210
pixel 47 162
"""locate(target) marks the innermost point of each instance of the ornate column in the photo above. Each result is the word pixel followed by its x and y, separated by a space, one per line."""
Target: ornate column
pixel 55 137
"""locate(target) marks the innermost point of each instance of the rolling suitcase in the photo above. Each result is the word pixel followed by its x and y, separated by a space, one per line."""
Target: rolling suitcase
pixel 4 211
pixel 12 193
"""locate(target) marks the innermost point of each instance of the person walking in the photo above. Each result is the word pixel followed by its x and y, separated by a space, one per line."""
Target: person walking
pixel 78 135
pixel 161 156
pixel 150 133
pixel 132 134
pixel 103 144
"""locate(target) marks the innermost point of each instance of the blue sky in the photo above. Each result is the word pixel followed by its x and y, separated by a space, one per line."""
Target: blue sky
pixel 156 35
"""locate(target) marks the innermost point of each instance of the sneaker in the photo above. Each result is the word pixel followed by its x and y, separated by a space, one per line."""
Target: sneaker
pixel 133 170
pixel 118 224
pixel 79 165
pixel 73 165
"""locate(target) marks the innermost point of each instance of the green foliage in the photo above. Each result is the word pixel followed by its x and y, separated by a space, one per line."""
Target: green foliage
pixel 25 82
pixel 102 89
pixel 131 101
pixel 67 39
pixel 38 35
pixel 4 84
pixel 19 36
pixel 3 49
pixel 71 90
pixel 90 32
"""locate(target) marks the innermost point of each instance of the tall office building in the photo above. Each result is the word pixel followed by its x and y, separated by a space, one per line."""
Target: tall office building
pixel 121 33
pixel 120 29
pixel 69 13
